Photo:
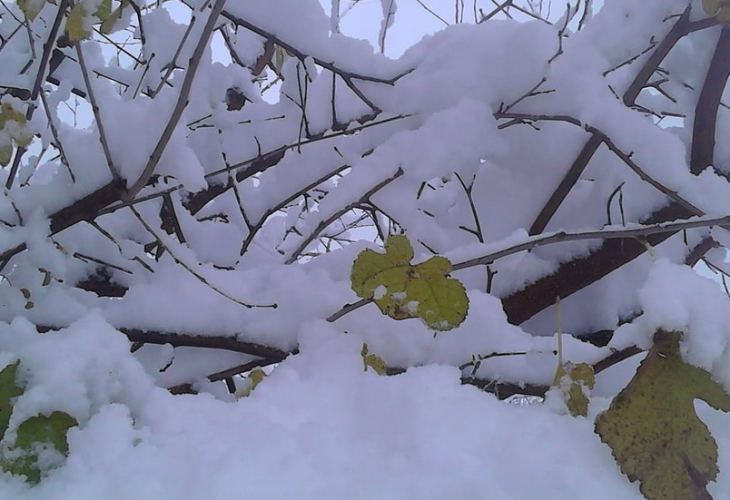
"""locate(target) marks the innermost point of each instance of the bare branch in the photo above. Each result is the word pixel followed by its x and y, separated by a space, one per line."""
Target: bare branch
pixel 189 268
pixel 323 225
pixel 605 234
pixel 680 29
pixel 705 122
pixel 182 101
pixel 40 76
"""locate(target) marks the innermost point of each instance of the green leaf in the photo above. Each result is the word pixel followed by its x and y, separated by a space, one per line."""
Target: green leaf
pixel 572 382
pixel 75 23
pixel 8 391
pixel 402 290
pixel 34 436
pixel 373 361
pixel 652 428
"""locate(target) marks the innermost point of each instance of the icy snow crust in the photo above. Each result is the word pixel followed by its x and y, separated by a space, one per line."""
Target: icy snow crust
pixel 319 426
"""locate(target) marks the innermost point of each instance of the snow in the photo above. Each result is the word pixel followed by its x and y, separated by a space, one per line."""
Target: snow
pixel 384 437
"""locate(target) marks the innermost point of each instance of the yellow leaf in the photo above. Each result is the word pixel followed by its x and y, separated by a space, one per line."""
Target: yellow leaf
pixel 76 22
pixel 255 377
pixel 6 154
pixel 8 113
pixel 373 361
pixel 652 428
pixel 711 6
pixel 31 8
pixel 104 10
pixel 107 24
pixel 402 290
pixel 572 382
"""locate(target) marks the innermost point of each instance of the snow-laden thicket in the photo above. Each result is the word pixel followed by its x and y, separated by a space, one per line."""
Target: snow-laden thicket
pixel 188 185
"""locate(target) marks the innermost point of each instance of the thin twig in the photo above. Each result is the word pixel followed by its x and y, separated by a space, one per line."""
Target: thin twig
pixel 605 234
pixel 339 213
pixel 97 114
pixel 189 269
pixel 182 101
pixel 562 237
pixel 40 76
pixel 420 2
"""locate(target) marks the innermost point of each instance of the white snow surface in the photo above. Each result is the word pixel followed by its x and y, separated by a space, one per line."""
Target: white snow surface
pixel 317 427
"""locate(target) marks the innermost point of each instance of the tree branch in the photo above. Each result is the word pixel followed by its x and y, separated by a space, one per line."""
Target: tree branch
pixel 227 343
pixel 42 66
pixel 182 101
pixel 323 225
pixel 705 122
pixel 579 273
pixel 680 29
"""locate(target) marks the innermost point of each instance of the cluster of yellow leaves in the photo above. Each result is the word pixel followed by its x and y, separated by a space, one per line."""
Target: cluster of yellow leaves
pixel 81 17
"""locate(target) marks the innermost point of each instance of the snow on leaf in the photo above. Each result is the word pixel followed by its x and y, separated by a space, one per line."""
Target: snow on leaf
pixel 14 123
pixel 75 25
pixel 36 436
pixel 421 291
pixel 31 8
pixel 8 391
pixel 653 430
pixel 573 381
pixel 373 361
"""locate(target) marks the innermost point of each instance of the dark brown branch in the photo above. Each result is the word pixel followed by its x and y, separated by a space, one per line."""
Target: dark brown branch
pixel 189 340
pixel 616 357
pixel 564 236
pixel 579 273
pixel 700 250
pixel 345 75
pixel 85 209
pixel 705 122
pixel 248 168
pixel 680 29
